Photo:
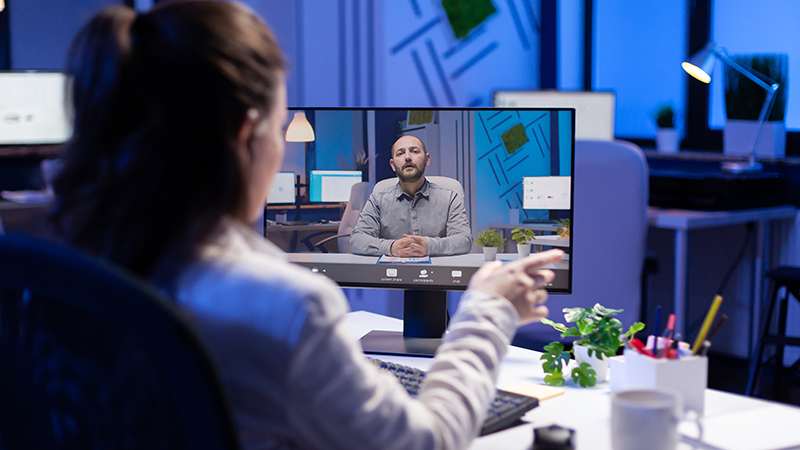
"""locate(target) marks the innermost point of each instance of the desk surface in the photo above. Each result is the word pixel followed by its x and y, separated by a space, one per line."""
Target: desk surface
pixel 731 421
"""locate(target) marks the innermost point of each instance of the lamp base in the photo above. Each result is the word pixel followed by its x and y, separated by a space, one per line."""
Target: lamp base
pixel 741 167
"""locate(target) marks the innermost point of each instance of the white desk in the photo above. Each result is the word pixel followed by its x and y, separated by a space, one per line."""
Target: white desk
pixel 681 221
pixel 731 421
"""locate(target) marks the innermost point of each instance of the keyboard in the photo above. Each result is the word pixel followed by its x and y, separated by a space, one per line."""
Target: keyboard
pixel 506 409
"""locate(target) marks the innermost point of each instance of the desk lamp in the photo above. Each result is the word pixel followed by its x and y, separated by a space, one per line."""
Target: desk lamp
pixel 299 130
pixel 700 65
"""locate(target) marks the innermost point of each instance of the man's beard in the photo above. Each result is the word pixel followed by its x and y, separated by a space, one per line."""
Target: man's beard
pixel 413 177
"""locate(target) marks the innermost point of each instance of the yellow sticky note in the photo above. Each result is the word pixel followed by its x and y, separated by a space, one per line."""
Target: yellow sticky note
pixel 538 391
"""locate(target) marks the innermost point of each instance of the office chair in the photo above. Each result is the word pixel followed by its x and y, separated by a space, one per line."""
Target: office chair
pixel 359 194
pixel 609 235
pixel 91 357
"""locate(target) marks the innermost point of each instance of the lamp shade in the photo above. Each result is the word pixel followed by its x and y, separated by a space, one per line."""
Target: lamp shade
pixel 299 129
pixel 701 63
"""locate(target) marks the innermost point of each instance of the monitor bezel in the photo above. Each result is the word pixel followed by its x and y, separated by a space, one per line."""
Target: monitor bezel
pixel 464 286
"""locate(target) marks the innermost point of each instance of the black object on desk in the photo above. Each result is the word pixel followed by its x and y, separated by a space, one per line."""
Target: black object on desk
pixel 704 189
pixel 554 437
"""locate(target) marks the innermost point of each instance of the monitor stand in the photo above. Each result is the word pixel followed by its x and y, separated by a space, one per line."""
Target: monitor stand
pixel 424 323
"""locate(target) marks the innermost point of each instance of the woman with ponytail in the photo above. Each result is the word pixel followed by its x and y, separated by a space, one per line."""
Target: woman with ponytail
pixel 177 136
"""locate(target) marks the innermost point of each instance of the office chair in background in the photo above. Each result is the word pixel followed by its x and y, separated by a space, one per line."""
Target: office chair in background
pixel 359 194
pixel 609 239
pixel 91 357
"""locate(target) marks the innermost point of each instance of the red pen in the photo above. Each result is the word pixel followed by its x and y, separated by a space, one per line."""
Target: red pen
pixel 670 331
pixel 638 345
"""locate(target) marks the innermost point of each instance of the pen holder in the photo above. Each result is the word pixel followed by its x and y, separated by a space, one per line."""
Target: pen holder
pixel 686 376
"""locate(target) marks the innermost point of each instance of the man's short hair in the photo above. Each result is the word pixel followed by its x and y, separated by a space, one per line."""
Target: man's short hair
pixel 424 150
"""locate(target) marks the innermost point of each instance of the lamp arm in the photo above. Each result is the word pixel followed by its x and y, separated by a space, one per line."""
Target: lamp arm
pixel 762 116
pixel 749 73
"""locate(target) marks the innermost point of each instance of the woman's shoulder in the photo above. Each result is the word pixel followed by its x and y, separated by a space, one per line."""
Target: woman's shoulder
pixel 242 274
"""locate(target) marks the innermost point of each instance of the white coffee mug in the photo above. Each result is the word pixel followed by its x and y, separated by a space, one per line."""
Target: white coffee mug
pixel 647 419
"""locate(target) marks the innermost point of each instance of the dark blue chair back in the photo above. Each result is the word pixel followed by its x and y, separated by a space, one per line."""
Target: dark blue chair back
pixel 91 357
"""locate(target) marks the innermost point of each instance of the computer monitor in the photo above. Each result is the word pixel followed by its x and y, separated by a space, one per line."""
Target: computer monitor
pixel 32 108
pixel 282 190
pixel 547 193
pixel 594 111
pixel 494 153
pixel 332 186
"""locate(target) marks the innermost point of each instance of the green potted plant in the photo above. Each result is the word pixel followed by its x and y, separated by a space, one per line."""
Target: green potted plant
pixel 563 229
pixel 666 135
pixel 744 100
pixel 523 237
pixel 599 336
pixel 490 240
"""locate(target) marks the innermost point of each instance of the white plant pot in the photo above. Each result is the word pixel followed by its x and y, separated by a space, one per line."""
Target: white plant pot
pixel 489 253
pixel 523 250
pixel 737 135
pixel 600 366
pixel 667 140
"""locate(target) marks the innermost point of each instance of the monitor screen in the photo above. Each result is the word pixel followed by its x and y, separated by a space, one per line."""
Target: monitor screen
pixel 503 160
pixel 332 186
pixel 32 108
pixel 594 111
pixel 282 190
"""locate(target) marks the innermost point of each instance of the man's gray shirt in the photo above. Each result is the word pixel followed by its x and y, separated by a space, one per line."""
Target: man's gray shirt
pixel 434 212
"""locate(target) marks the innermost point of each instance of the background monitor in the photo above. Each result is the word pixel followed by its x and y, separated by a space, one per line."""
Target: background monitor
pixel 282 190
pixel 551 193
pixel 32 108
pixel 490 151
pixel 594 111
pixel 332 186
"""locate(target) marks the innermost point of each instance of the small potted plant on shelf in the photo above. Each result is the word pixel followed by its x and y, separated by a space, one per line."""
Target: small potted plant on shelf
pixel 563 228
pixel 490 240
pixel 666 134
pixel 523 237
pixel 599 336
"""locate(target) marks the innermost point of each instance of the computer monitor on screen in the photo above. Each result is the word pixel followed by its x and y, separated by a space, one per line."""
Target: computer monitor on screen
pixel 495 153
pixel 332 186
pixel 594 111
pixel 283 189
pixel 32 108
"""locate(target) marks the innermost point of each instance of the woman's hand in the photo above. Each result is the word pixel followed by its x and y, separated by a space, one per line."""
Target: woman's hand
pixel 520 282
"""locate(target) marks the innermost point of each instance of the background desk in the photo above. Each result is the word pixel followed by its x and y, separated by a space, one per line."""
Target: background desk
pixel 731 421
pixel 682 221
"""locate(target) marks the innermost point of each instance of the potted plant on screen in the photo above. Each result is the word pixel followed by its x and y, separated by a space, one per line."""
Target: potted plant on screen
pixel 523 238
pixel 563 229
pixel 599 336
pixel 490 240
pixel 666 135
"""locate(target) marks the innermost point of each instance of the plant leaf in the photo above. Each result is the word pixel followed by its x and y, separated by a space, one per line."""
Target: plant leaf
pixel 558 326
pixel 603 311
pixel 556 378
pixel 573 314
pixel 584 375
pixel 635 328
pixel 555 358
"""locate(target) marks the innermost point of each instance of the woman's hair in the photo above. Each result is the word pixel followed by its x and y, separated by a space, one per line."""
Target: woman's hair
pixel 158 100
